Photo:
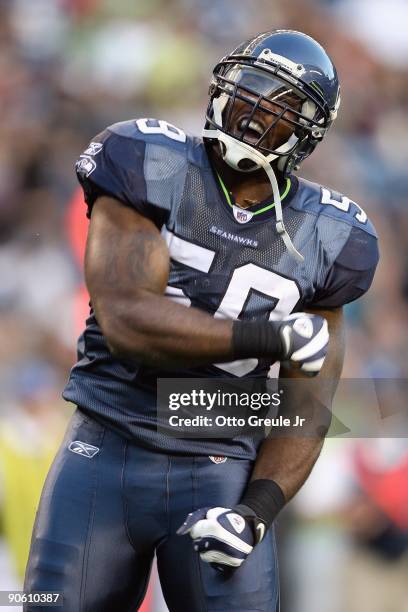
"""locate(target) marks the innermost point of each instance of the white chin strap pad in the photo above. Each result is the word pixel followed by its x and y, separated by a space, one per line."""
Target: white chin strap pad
pixel 239 151
pixel 235 152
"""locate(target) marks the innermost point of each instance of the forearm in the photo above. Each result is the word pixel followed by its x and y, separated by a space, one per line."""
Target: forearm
pixel 159 332
pixel 287 461
pixel 154 330
pixel 286 458
pixel 289 453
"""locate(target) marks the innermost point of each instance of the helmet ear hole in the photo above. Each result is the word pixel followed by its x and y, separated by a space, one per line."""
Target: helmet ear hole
pixel 223 148
pixel 300 132
pixel 246 164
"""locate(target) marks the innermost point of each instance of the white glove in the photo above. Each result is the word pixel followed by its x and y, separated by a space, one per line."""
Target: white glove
pixel 223 537
pixel 305 339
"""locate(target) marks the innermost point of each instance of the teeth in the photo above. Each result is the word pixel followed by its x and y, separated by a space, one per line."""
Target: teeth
pixel 254 125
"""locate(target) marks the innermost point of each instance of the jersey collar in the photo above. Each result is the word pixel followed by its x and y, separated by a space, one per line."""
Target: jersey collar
pixel 261 210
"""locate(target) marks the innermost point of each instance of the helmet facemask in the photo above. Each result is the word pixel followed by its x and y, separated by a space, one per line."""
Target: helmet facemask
pixel 262 102
pixel 289 107
pixel 243 101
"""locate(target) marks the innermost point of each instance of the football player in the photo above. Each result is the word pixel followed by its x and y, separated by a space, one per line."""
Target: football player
pixel 202 255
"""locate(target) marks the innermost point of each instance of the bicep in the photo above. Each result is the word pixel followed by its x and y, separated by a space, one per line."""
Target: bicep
pixel 333 364
pixel 125 253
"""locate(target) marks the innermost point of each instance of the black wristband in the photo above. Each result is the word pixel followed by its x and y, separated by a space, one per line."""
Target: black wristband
pixel 256 339
pixel 265 498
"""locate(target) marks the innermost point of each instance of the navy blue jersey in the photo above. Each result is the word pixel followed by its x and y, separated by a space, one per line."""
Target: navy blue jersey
pixel 226 261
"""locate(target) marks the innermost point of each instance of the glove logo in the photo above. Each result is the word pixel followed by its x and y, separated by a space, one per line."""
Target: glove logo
pixel 84 449
pixel 260 528
pixel 237 521
pixel 217 459
pixel 303 327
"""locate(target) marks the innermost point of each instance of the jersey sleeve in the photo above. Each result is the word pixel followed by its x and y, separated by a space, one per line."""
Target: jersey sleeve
pixel 113 165
pixel 352 272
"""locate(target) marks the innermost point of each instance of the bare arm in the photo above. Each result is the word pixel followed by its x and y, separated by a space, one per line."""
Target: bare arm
pixel 126 271
pixel 289 460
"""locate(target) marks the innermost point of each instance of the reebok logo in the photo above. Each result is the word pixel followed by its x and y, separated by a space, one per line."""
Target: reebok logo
pixel 94 148
pixel 84 449
pixel 260 529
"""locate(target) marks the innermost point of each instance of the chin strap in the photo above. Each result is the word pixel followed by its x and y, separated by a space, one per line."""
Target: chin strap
pixel 280 226
pixel 236 150
pixel 242 150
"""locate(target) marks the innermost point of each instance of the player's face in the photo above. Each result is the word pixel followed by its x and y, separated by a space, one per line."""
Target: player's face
pixel 278 98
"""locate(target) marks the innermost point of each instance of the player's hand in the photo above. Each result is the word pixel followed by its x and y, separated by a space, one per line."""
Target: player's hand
pixel 305 340
pixel 223 537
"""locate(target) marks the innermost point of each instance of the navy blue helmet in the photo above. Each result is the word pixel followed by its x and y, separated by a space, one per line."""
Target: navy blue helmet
pixel 283 73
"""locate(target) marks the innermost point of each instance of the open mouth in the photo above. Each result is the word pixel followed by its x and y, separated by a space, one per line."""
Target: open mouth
pixel 254 130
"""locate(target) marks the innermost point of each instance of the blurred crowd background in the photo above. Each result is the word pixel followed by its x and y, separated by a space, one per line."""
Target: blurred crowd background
pixel 68 68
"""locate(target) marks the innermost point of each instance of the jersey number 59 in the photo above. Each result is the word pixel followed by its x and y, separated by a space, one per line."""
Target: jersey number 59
pixel 281 294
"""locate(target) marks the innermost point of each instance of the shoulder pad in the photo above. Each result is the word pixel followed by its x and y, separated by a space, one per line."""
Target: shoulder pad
pixel 165 135
pixel 151 130
pixel 320 200
pixel 360 252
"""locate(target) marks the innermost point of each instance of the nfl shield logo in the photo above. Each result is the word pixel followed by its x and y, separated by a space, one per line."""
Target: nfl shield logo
pixel 241 215
pixel 218 459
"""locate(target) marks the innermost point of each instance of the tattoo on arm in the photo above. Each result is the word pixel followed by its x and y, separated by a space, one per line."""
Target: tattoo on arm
pixel 125 251
pixel 129 260
pixel 126 268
